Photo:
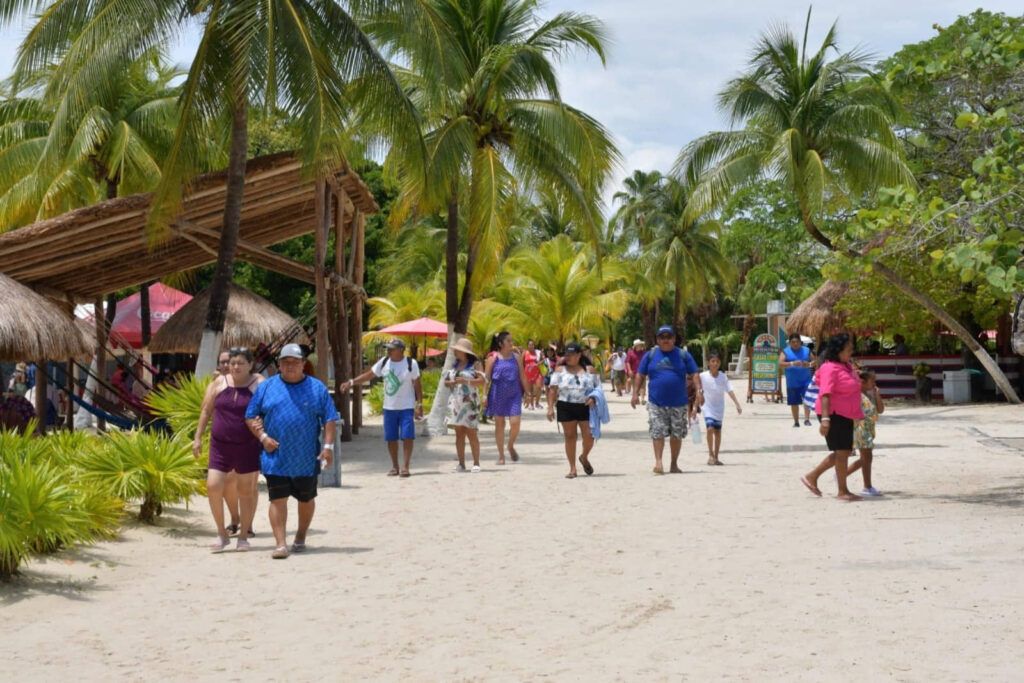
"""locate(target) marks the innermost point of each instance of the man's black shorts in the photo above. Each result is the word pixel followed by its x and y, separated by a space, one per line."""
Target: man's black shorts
pixel 302 489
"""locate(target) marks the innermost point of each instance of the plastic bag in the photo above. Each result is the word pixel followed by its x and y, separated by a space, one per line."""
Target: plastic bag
pixel 695 432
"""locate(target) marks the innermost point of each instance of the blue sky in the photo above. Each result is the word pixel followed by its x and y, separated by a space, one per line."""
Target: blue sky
pixel 669 58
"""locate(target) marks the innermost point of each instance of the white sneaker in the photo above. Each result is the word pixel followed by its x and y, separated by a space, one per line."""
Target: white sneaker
pixel 871 492
pixel 476 468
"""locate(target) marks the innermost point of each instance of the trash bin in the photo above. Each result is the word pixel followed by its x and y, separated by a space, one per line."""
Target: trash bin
pixel 956 386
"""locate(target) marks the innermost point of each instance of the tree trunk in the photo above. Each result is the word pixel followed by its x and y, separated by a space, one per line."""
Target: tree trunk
pixel 451 258
pixel 466 304
pixel 219 293
pixel 939 313
pixel 145 314
pixel 435 421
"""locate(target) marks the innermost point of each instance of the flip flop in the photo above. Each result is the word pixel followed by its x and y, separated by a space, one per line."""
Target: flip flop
pixel 512 452
pixel 810 487
pixel 587 467
pixel 659 470
pixel 393 473
pixel 280 553
pixel 404 474
pixel 233 529
pixel 298 547
pixel 571 475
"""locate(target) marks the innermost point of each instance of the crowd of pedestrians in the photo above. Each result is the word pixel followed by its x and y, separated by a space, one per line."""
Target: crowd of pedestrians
pixel 285 426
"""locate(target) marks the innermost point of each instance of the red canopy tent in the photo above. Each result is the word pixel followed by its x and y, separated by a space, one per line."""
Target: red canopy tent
pixel 421 327
pixel 164 302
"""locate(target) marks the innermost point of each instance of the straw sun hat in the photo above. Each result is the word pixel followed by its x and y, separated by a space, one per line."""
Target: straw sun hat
pixel 465 346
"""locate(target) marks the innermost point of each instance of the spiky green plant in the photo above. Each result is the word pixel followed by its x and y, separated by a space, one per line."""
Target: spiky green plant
pixel 44 505
pixel 180 405
pixel 145 467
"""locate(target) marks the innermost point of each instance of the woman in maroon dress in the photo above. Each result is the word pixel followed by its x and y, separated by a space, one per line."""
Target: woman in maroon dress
pixel 233 448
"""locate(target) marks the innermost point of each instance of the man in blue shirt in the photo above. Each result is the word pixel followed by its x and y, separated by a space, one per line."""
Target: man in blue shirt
pixel 286 414
pixel 797 361
pixel 669 369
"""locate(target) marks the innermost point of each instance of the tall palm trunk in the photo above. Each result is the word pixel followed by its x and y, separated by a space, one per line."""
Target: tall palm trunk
pixel 678 316
pixel 435 421
pixel 219 293
pixel 932 306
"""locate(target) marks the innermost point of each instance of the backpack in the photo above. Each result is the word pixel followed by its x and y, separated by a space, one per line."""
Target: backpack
pixel 408 363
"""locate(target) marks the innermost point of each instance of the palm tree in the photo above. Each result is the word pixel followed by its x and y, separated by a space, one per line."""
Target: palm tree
pixel 558 291
pixel 482 75
pixel 825 129
pixel 688 254
pixel 115 148
pixel 308 58
pixel 640 205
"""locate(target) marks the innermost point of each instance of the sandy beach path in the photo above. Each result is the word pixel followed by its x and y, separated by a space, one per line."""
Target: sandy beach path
pixel 515 573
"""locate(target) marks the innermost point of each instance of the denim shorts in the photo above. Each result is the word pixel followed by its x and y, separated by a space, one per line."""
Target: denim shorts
pixel 712 423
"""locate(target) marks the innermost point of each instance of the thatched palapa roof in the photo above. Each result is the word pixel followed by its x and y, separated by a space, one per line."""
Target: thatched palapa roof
pixel 250 320
pixel 33 328
pixel 98 249
pixel 817 316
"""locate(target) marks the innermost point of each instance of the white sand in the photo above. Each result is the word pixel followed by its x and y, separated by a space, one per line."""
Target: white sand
pixel 516 573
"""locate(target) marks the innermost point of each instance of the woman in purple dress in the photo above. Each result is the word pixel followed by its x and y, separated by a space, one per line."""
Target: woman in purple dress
pixel 233 448
pixel 504 371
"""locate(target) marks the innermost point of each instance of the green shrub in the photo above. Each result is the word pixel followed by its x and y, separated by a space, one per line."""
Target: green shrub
pixel 44 504
pixel 145 467
pixel 180 405
pixel 429 379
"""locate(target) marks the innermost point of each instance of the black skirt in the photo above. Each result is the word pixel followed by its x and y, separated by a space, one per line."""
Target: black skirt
pixel 840 433
pixel 572 412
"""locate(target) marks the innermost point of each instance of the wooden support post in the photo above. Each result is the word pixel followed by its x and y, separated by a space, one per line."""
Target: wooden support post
pixel 101 353
pixel 69 417
pixel 358 247
pixel 41 402
pixel 320 230
pixel 342 360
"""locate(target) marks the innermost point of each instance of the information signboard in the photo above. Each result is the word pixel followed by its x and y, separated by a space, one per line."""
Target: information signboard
pixel 764 368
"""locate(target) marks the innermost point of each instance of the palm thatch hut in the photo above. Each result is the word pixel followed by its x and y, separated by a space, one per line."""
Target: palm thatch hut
pixel 251 320
pixel 817 316
pixel 33 328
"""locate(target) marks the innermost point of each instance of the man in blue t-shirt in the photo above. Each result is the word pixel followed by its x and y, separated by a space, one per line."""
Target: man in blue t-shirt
pixel 286 414
pixel 669 369
pixel 798 363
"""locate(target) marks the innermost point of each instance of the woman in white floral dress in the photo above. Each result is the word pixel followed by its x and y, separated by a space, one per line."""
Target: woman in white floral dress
pixel 569 401
pixel 465 380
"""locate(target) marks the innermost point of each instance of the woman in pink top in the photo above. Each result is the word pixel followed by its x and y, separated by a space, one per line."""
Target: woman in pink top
pixel 838 407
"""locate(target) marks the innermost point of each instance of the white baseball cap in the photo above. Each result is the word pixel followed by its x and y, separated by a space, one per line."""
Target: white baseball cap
pixel 291 351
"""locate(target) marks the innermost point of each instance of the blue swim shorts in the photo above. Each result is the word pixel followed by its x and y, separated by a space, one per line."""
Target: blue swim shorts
pixel 712 423
pixel 795 395
pixel 399 424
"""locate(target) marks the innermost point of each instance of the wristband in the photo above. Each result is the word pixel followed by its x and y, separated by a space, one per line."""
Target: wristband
pixel 826 420
pixel 329 447
pixel 263 435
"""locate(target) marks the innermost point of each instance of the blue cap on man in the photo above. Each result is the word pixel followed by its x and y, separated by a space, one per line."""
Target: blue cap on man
pixel 666 329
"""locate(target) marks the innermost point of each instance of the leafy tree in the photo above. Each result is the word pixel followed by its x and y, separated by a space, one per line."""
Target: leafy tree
pixel 633 224
pixel 310 59
pixel 558 292
pixel 688 254
pixel 828 136
pixel 115 147
pixel 481 73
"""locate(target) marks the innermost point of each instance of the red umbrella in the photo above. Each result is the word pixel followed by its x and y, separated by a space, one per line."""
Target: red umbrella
pixel 164 302
pixel 421 327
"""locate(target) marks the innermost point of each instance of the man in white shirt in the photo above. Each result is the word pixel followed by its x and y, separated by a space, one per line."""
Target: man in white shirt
pixel 403 401
pixel 618 363
pixel 715 385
